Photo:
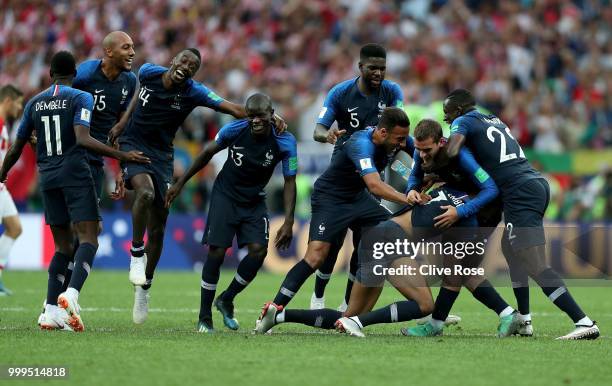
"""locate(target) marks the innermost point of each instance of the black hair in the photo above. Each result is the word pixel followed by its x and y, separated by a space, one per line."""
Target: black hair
pixel 9 91
pixel 63 64
pixel 462 98
pixel 258 100
pixel 428 128
pixel 393 116
pixel 194 51
pixel 372 50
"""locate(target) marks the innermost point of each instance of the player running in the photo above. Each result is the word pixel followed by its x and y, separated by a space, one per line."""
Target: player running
pixel 525 195
pixel 238 207
pixel 342 196
pixel 11 104
pixel 61 116
pixel 165 97
pixel 354 104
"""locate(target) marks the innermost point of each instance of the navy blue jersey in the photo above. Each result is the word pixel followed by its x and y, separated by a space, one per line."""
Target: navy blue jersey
pixel 495 149
pixel 160 112
pixel 354 111
pixel 251 160
pixel 353 160
pixel 111 98
pixel 464 175
pixel 53 114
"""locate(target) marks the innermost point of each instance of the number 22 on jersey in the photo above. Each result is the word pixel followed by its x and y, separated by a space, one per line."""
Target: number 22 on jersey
pixel 504 155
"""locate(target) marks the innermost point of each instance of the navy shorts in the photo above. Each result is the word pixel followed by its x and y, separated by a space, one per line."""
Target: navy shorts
pixel 160 171
pixel 70 204
pixel 97 172
pixel 331 216
pixel 248 222
pixel 524 209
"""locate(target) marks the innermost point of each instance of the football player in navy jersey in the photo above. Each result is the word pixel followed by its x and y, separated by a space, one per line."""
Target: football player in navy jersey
pixel 354 104
pixel 61 117
pixel 525 195
pixel 112 85
pixel 342 195
pixel 165 97
pixel 237 205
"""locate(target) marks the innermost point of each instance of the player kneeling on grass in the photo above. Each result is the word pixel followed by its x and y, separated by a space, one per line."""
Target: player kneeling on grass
pixel 60 116
pixel 237 206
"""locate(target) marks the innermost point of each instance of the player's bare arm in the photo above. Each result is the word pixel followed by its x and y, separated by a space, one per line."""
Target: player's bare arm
pixel 383 190
pixel 198 164
pixel 87 141
pixel 324 135
pixel 285 233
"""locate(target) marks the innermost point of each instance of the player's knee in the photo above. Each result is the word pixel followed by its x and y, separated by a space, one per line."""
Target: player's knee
pixel 216 252
pixel 145 195
pixel 258 251
pixel 13 231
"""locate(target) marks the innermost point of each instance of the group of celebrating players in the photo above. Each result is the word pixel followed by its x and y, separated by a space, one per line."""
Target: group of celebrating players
pixel 464 183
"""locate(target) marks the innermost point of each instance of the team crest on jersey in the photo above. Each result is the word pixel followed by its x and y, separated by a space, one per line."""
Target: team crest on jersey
pixel 381 106
pixel 269 158
pixel 124 95
pixel 176 103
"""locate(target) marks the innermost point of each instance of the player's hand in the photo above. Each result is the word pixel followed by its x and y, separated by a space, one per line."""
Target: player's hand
pixel 414 197
pixel 135 156
pixel 114 134
pixel 279 123
pixel 334 134
pixel 448 218
pixel 33 140
pixel 284 236
pixel 172 193
pixel 119 192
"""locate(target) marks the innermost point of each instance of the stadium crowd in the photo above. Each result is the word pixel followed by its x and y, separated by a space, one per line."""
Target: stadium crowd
pixel 543 66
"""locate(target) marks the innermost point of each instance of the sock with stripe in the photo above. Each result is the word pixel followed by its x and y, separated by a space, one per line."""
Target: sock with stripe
pixel 246 272
pixel 210 278
pixel 83 261
pixel 553 286
pixel 396 312
pixel 138 249
pixel 57 268
pixel 293 281
pixel 325 318
pixel 323 274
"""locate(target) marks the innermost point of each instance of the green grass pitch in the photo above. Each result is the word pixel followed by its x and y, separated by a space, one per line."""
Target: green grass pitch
pixel 166 350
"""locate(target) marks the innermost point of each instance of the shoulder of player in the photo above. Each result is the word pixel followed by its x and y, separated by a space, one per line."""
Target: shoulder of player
pixel 361 139
pixel 343 87
pixel 149 70
pixel 235 126
pixel 285 138
pixel 87 68
pixel 389 85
